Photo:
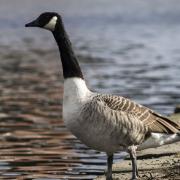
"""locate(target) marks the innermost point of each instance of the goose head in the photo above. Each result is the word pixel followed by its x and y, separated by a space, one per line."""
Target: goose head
pixel 47 20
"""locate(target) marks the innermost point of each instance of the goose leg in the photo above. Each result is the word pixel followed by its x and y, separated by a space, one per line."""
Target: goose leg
pixel 109 168
pixel 132 153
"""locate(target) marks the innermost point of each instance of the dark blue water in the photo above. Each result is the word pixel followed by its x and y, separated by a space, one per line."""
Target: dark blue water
pixel 130 48
pixel 135 45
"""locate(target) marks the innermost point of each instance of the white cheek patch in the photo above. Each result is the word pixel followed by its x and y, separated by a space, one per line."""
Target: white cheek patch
pixel 51 24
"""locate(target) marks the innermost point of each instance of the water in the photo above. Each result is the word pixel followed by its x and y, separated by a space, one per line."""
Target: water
pixel 126 48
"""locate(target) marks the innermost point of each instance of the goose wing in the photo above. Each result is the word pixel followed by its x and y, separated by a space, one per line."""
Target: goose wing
pixel 152 120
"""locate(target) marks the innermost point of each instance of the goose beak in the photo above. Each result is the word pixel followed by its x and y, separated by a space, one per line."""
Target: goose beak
pixel 32 24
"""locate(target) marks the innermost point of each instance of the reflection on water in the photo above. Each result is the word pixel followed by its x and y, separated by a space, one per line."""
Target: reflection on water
pixel 131 48
pixel 34 144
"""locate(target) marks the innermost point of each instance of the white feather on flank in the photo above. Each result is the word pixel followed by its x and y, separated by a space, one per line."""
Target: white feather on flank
pixel 51 24
pixel 158 139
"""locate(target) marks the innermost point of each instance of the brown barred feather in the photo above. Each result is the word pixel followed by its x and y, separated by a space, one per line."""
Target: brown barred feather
pixel 154 121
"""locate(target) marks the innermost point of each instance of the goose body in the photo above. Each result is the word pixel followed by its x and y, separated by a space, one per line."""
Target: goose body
pixel 85 115
pixel 104 122
pixel 111 123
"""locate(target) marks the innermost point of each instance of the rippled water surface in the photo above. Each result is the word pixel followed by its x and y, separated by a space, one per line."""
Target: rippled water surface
pixel 130 48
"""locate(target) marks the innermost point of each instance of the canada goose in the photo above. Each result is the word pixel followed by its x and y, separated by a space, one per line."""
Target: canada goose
pixel 104 122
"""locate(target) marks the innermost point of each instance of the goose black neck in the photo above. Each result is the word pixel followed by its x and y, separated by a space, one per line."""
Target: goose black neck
pixel 69 60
